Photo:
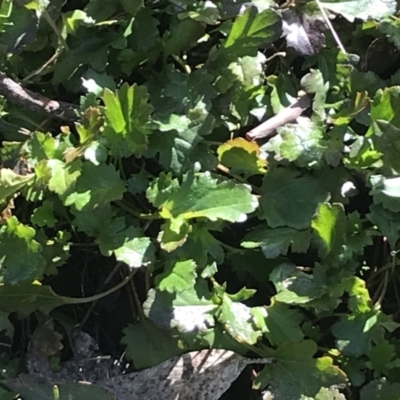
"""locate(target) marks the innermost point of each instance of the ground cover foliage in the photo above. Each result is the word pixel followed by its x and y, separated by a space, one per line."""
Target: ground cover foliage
pixel 283 248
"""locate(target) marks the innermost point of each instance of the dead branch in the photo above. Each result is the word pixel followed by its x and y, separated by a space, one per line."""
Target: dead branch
pixel 268 128
pixel 16 94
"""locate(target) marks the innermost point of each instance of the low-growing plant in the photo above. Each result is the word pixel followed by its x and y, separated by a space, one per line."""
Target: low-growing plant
pixel 142 190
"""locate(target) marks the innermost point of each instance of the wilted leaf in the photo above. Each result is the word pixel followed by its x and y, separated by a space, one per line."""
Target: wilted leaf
pixel 303 32
pixel 10 182
pixel 90 125
pixel 205 374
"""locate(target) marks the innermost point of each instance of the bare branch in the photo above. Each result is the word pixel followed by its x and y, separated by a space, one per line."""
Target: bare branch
pixel 16 94
pixel 289 114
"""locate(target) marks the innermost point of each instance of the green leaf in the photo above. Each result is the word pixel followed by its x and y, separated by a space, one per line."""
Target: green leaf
pixel 386 140
pixel 242 157
pixel 252 265
pixel 175 148
pixel 317 290
pixel 176 94
pixel 177 277
pixel 297 375
pixel 126 113
pixel 147 345
pixel 362 154
pixel 93 52
pixel 360 301
pixel 55 250
pixel 280 324
pixel 289 199
pixel 73 20
pixel 329 224
pixel 314 83
pixel 188 311
pixel 275 242
pixel 354 333
pixel 300 143
pixel 132 6
pixel 294 286
pixel 96 185
pixel 113 111
pixel 390 27
pixel 380 389
pixel 171 238
pixel 386 106
pixel 386 191
pixel 10 182
pixel 21 29
pixel 131 247
pixel 237 319
pixel 21 256
pixel 44 215
pixel 253 29
pixel 357 238
pixel 144 31
pixel 63 176
pixel 364 9
pixel 201 246
pixel 388 222
pixel 380 357
pixel 128 244
pixel 183 102
pixel 45 147
pixel 201 196
pixel 183 35
pixel 28 297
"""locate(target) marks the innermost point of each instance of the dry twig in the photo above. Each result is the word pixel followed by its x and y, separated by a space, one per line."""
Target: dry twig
pixel 16 94
pixel 268 128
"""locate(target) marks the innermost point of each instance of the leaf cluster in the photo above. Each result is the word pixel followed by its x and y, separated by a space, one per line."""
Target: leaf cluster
pixel 286 248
